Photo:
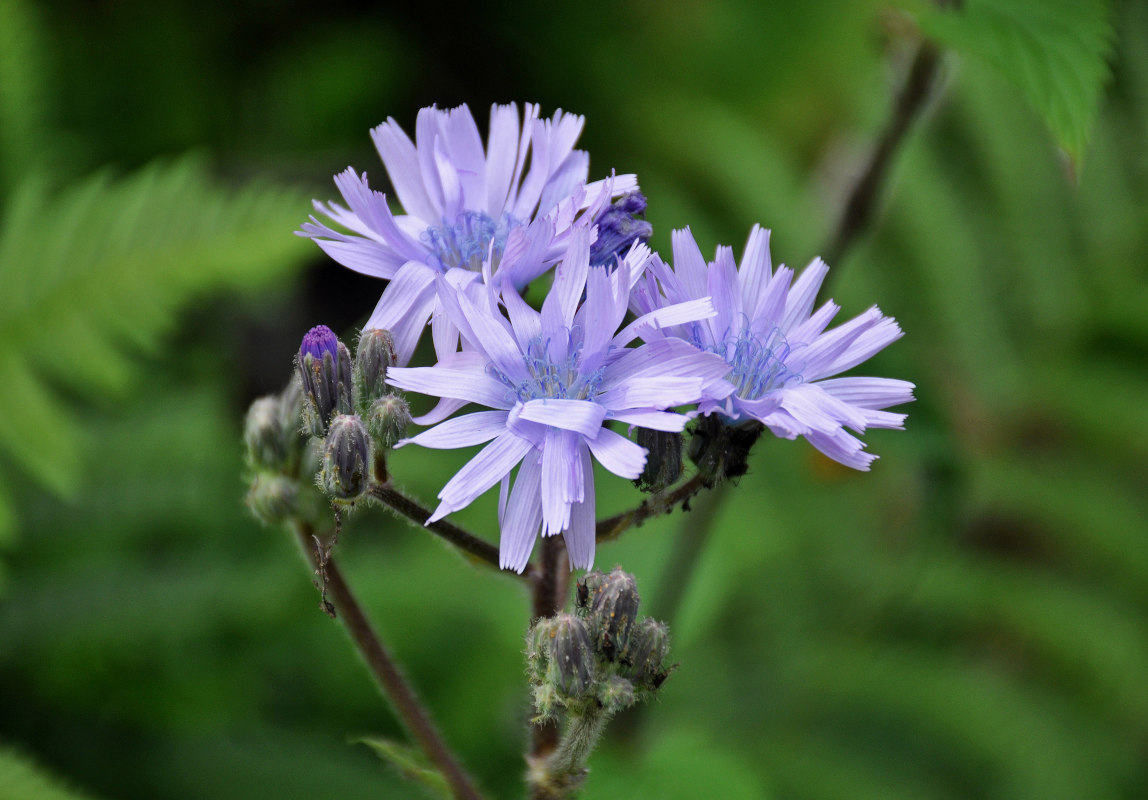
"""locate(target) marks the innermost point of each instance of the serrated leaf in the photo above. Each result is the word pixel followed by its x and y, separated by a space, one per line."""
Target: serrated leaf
pixel 99 269
pixel 411 765
pixel 1054 51
pixel 23 780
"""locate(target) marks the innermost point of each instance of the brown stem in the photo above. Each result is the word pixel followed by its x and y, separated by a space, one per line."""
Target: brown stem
pixel 549 599
pixel 865 195
pixel 406 506
pixel 655 506
pixel 386 673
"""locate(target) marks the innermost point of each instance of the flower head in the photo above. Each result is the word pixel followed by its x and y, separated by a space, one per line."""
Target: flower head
pixel 780 354
pixel 465 206
pixel 553 379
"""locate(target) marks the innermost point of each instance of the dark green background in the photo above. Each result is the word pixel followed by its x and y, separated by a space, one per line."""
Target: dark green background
pixel 968 620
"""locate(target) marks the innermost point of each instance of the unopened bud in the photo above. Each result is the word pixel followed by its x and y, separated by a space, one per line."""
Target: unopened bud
pixel 346 459
pixel 664 461
pixel 649 646
pixel 618 229
pixel 264 435
pixel 615 694
pixel 610 603
pixel 375 353
pixel 387 420
pixel 571 655
pixel 272 498
pixel 325 370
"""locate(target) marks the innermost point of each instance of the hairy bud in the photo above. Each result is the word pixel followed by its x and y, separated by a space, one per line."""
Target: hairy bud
pixel 615 694
pixel 649 646
pixel 610 603
pixel 264 435
pixel 325 370
pixel 387 420
pixel 346 459
pixel 272 498
pixel 571 668
pixel 374 354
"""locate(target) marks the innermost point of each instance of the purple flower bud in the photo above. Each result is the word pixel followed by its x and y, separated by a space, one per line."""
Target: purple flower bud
pixel 325 369
pixel 619 228
pixel 346 459
pixel 317 342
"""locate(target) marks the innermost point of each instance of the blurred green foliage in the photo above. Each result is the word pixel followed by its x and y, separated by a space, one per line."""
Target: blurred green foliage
pixel 968 620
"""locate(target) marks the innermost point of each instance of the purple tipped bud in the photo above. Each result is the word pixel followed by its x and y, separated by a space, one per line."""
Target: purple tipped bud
pixel 664 462
pixel 610 603
pixel 649 646
pixel 317 342
pixel 375 353
pixel 387 420
pixel 571 668
pixel 325 370
pixel 346 459
pixel 618 229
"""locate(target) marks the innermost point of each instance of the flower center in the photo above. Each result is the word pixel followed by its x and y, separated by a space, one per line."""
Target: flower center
pixel 468 240
pixel 550 379
pixel 758 363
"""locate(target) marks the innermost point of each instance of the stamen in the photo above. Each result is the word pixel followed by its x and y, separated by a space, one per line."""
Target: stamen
pixel 759 365
pixel 468 240
pixel 549 379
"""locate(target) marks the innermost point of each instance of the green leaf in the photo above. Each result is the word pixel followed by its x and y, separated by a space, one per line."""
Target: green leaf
pixel 411 764
pixel 98 270
pixel 23 780
pixel 1055 51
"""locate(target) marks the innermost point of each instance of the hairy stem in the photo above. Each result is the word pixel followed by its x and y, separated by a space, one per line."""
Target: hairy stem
pixel 406 506
pixel 560 776
pixel 384 670
pixel 549 598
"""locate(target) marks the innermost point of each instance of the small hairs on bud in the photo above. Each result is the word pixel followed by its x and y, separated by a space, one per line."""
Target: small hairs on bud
pixel 345 471
pixel 373 355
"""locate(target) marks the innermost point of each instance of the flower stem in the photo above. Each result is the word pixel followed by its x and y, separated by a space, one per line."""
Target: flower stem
pixel 865 195
pixel 549 598
pixel 559 776
pixel 654 506
pixel 406 506
pixel 384 670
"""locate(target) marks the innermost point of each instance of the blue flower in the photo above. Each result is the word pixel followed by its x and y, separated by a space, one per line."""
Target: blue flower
pixel 554 379
pixel 780 354
pixel 465 205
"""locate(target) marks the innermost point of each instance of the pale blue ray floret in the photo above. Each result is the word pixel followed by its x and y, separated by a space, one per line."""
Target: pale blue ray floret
pixel 554 378
pixel 465 205
pixel 780 354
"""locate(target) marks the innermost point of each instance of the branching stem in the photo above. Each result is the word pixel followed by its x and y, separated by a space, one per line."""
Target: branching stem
pixel 406 506
pixel 386 673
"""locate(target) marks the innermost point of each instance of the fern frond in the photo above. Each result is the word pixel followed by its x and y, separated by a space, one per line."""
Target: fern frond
pixel 99 269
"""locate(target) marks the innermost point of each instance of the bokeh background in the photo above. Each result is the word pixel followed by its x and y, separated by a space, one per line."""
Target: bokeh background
pixel 968 620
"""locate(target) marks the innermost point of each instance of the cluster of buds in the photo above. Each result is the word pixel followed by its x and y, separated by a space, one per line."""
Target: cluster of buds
pixel 346 404
pixel 277 454
pixel 603 655
pixel 332 423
